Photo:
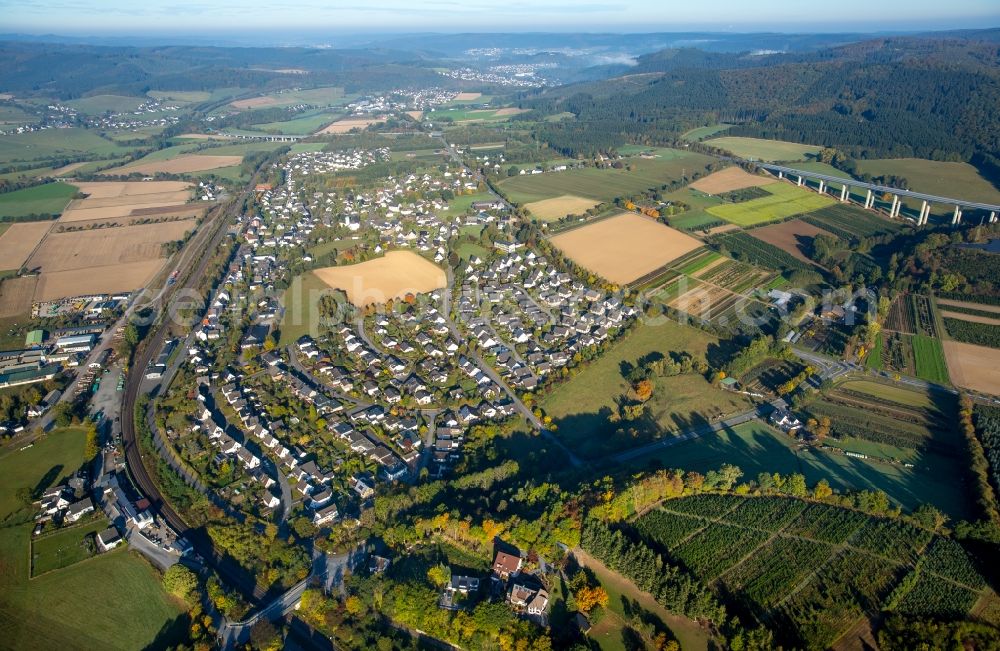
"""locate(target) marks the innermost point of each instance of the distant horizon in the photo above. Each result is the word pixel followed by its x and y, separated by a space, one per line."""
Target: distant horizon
pixel 330 38
pixel 312 19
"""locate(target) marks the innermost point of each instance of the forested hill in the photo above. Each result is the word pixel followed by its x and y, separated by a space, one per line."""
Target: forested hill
pixel 914 96
pixel 67 71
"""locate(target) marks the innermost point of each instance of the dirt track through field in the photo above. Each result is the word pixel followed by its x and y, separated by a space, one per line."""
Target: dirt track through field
pixel 974 318
pixel 973 367
pixel 624 248
pixel 944 303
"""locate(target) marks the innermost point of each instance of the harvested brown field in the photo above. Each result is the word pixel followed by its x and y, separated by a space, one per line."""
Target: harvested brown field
pixel 19 240
pixel 729 179
pixel 559 207
pixel 116 200
pixel 394 275
pixel 624 248
pixel 704 301
pixel 467 97
pixel 107 189
pixel 16 295
pixel 416 115
pixel 179 165
pixel 125 277
pixel 725 228
pixel 107 246
pixel 344 126
pixel 790 236
pixel 974 318
pixel 973 367
pixel 510 111
pixel 254 102
pixel 944 303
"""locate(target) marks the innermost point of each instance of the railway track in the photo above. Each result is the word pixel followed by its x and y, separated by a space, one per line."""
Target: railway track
pixel 200 250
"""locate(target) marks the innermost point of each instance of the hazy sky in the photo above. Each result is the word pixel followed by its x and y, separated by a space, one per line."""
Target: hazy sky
pixel 162 16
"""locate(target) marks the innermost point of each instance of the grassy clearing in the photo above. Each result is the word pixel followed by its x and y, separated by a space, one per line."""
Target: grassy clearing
pixel 604 184
pixel 785 200
pixel 57 143
pixel 582 406
pixel 610 631
pixel 463 203
pixel 114 601
pixel 956 180
pixel 48 199
pixel 44 464
pixel 300 126
pixel 756 448
pixel 98 104
pixel 704 132
pixel 765 150
pixel 301 301
pixel 874 359
pixel 929 358
pixel 64 547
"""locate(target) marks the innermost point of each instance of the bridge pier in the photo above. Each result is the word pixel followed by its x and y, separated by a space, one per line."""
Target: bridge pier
pixel 781 175
pixel 895 205
pixel 957 217
pixel 822 186
pixel 843 194
pixel 993 217
pixel 798 180
pixel 869 200
pixel 925 212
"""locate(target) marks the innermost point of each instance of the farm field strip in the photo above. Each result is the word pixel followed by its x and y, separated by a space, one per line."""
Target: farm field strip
pixel 970 366
pixel 178 165
pixel 765 150
pixel 624 248
pixel 786 200
pixel 789 236
pixel 729 179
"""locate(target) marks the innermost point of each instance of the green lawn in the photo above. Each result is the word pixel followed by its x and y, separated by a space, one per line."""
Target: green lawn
pixel 606 184
pixel 56 456
pixel 902 395
pixel 98 104
pixel 929 359
pixel 765 150
pixel 786 200
pixel 703 132
pixel 300 126
pixel 185 96
pixel 756 448
pixel 114 601
pixel 57 143
pixel 48 199
pixel 955 180
pixel 582 406
pixel 64 547
pixel 301 301
pixel 608 632
pixel 874 358
pixel 462 203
